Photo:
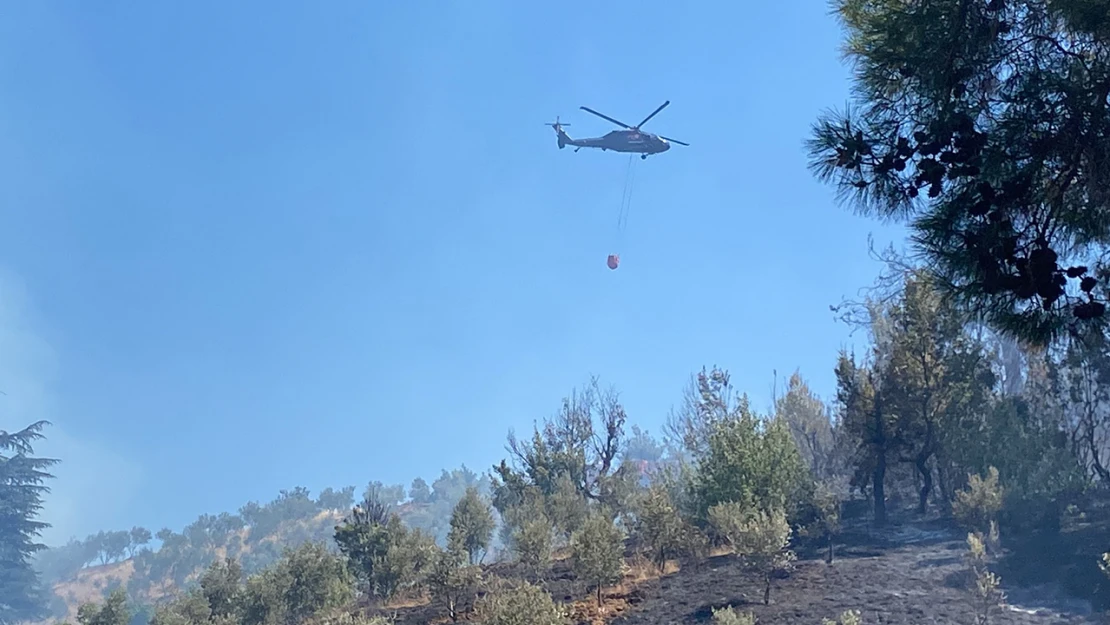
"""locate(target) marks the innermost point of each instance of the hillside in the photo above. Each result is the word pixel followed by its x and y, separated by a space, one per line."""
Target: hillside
pixel 637 503
pixel 912 572
pixel 85 571
pixel 908 574
pixel 92 583
pixel 601 501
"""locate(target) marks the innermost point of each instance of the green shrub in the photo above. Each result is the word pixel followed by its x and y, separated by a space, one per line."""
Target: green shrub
pixel 532 543
pixel 659 526
pixel 978 505
pixel 729 616
pixel 848 617
pixel 525 604
pixel 760 538
pixel 597 552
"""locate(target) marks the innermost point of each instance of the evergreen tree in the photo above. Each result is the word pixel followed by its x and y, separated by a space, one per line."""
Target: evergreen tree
pixel 140 536
pixel 580 444
pixel 532 544
pixel 113 611
pixel 984 124
pixel 597 552
pixel 453 582
pixel 526 604
pixel 749 459
pixel 471 525
pixel 659 525
pixel 869 425
pixel 808 420
pixel 364 538
pixel 419 492
pixel 22 486
pixel 760 537
pixel 937 377
pixel 222 587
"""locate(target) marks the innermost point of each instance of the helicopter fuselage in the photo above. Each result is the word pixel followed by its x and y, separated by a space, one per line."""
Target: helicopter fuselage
pixel 636 142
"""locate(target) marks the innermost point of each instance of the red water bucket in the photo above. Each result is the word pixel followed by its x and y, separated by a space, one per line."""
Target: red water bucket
pixel 614 261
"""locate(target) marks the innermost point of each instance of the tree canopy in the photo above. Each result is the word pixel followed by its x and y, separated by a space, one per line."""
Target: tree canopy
pixel 22 486
pixel 984 125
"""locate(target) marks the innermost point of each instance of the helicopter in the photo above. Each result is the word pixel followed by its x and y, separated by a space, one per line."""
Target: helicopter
pixel 632 139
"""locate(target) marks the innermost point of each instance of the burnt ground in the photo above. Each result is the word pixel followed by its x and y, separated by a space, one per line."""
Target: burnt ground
pixel 912 574
pixel 1064 561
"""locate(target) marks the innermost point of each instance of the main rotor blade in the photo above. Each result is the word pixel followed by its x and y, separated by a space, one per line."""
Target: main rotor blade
pixel 670 140
pixel 661 107
pixel 605 117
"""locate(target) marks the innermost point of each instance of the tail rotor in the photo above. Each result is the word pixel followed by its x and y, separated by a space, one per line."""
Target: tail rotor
pixel 557 125
pixel 563 138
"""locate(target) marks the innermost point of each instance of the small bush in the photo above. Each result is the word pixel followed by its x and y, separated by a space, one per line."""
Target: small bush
pixel 728 521
pixel 694 549
pixel 978 505
pixel 597 552
pixel 525 604
pixel 659 526
pixel 344 617
pixel 848 617
pixel 1057 479
pixel 729 616
pixel 825 524
pixel 985 586
pixel 532 544
pixel 760 538
pixel 453 581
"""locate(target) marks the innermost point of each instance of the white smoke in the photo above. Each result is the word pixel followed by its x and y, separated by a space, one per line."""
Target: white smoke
pixel 93 483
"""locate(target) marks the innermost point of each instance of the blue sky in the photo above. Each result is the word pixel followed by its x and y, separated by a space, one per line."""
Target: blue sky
pixel 252 245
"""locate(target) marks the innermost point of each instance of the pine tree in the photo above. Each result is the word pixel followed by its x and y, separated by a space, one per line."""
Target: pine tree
pixel 22 486
pixel 985 125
